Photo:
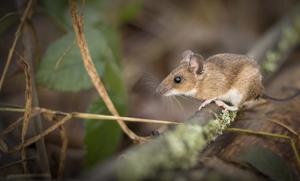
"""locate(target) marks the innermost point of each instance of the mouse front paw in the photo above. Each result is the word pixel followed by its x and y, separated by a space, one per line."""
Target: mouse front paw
pixel 225 106
pixel 205 103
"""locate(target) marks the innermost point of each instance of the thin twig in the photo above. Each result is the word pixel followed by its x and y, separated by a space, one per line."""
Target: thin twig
pixel 67 117
pixel 17 35
pixel 37 124
pixel 16 162
pixel 274 135
pixel 41 135
pixel 28 109
pixel 3 18
pixel 66 51
pixel 90 67
pixel 3 146
pixel 12 127
pixel 90 116
pixel 286 127
pixel 15 124
pixel 63 153
pixel 128 119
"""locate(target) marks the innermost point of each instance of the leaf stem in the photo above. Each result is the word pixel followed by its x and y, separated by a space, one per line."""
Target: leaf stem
pixel 77 21
pixel 89 115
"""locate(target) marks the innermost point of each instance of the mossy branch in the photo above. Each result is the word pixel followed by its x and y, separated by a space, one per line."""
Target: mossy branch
pixel 274 47
pixel 178 148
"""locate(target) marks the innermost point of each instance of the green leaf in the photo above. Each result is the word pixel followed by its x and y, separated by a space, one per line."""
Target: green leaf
pixel 102 138
pixel 130 10
pixel 92 15
pixel 57 9
pixel 70 74
pixel 267 162
pixel 113 80
pixel 113 38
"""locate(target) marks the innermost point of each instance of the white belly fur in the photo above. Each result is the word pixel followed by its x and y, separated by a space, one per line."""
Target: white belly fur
pixel 233 96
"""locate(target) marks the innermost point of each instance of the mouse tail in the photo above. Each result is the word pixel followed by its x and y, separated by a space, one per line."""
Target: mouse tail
pixel 265 96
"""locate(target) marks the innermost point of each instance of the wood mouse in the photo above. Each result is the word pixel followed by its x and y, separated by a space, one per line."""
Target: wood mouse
pixel 227 79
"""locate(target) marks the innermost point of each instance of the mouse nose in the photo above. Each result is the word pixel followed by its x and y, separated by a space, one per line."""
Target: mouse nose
pixel 161 90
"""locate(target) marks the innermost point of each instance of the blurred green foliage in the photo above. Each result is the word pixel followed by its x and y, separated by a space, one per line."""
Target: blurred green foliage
pixel 130 10
pixel 102 138
pixel 62 69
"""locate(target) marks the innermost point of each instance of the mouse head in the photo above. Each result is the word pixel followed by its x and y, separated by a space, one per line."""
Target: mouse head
pixel 183 79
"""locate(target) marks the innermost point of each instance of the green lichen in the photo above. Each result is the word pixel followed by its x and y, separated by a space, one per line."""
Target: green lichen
pixel 175 149
pixel 289 38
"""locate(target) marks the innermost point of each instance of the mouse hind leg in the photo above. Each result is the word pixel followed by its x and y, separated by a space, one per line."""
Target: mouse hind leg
pixel 249 84
pixel 234 97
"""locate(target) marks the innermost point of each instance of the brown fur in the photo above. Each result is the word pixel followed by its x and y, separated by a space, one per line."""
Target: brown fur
pixel 221 73
pixel 225 71
pixel 189 80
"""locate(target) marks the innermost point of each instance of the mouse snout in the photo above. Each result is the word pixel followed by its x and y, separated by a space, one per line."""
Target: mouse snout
pixel 161 89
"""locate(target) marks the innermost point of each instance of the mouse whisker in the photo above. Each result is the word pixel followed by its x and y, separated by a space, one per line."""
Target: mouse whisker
pixel 163 103
pixel 180 106
pixel 190 100
pixel 150 82
pixel 166 104
pixel 170 101
pixel 172 104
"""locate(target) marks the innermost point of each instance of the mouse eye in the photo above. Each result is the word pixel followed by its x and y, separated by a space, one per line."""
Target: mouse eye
pixel 177 79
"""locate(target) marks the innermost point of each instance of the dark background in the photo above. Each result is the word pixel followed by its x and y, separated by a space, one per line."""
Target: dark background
pixel 147 38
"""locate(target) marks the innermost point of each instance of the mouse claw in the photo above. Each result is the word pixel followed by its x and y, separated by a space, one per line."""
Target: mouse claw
pixel 200 107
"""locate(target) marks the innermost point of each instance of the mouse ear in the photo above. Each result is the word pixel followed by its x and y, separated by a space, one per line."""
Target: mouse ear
pixel 186 55
pixel 195 61
pixel 196 64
